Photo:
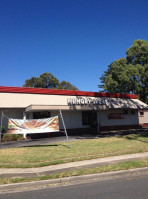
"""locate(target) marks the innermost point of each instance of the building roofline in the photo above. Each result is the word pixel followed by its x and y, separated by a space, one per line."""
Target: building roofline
pixel 29 90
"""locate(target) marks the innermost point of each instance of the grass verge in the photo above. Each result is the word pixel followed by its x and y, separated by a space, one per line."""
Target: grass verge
pixel 107 168
pixel 52 154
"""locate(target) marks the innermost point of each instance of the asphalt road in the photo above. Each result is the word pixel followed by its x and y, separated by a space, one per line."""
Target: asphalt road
pixel 127 188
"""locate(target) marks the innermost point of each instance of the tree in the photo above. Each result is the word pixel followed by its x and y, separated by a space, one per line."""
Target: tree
pixel 47 80
pixel 138 53
pixel 130 74
pixel 30 82
pixel 66 86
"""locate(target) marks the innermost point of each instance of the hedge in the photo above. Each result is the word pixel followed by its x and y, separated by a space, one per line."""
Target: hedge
pixel 12 137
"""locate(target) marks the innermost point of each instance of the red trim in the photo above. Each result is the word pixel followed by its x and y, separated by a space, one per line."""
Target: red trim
pixel 145 125
pixel 7 89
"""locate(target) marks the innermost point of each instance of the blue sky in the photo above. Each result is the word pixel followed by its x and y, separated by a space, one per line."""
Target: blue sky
pixel 75 40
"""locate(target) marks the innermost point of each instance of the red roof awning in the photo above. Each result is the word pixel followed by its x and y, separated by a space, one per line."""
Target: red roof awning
pixel 8 89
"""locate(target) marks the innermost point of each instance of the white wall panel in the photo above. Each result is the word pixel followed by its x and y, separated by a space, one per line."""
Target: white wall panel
pixel 144 118
pixel 129 119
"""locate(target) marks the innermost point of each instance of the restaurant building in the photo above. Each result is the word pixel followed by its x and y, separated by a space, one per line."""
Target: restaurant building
pixel 82 111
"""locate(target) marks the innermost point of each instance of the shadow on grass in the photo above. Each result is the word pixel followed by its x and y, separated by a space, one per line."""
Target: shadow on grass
pixel 138 137
pixel 47 145
pixel 85 137
pixel 117 133
pixel 123 133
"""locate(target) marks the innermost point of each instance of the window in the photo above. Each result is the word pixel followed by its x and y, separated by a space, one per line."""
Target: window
pixel 41 115
pixel 116 116
pixel 141 114
pixel 27 116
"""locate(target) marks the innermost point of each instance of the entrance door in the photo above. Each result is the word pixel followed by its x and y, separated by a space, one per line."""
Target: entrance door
pixel 89 118
pixel 93 119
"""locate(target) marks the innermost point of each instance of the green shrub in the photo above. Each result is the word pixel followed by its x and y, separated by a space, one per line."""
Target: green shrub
pixel 2 128
pixel 11 137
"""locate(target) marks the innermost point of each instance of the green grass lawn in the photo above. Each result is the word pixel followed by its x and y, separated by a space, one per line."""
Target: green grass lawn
pixel 101 169
pixel 50 154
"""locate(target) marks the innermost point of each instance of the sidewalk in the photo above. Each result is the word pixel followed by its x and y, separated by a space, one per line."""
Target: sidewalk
pixel 35 172
pixel 75 180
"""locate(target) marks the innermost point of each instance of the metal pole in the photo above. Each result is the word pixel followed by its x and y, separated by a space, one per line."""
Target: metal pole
pixel 1 125
pixel 65 129
pixel 5 116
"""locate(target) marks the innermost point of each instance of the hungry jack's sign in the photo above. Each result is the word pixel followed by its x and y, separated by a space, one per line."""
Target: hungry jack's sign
pixel 83 101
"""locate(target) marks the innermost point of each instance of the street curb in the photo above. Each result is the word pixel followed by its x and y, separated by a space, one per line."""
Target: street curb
pixel 41 171
pixel 29 186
